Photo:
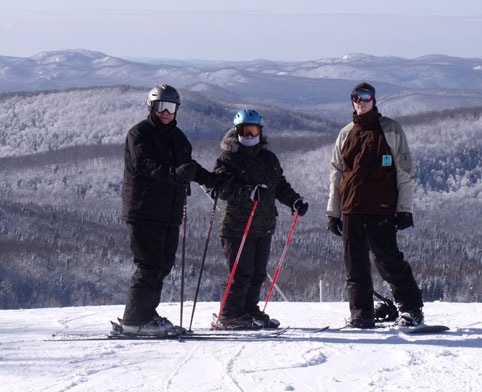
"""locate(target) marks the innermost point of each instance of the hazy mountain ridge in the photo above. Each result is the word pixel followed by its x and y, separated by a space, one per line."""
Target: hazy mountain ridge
pixel 431 71
pixel 318 87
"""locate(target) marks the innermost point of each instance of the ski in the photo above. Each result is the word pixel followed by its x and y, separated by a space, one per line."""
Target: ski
pixel 310 329
pixel 270 333
pixel 175 334
pixel 187 336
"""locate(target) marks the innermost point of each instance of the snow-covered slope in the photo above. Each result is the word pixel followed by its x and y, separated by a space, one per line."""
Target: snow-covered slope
pixel 371 360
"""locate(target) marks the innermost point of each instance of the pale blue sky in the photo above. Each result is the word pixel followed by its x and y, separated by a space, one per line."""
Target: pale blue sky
pixel 243 30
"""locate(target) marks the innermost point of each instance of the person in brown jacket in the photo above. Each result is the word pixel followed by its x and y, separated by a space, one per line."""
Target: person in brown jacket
pixel 371 192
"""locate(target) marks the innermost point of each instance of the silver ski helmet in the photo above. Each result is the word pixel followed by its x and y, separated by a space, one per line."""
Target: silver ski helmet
pixel 248 116
pixel 162 92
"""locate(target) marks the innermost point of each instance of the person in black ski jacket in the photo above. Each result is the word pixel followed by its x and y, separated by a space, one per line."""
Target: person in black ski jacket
pixel 255 174
pixel 157 172
pixel 371 192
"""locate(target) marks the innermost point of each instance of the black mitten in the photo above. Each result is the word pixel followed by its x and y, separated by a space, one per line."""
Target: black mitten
pixel 186 172
pixel 335 225
pixel 403 220
pixel 301 206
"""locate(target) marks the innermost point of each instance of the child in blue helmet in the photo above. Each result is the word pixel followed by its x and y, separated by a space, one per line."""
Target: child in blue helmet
pixel 255 174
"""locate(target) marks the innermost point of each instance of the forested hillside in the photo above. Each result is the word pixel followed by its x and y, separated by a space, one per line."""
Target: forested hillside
pixel 61 166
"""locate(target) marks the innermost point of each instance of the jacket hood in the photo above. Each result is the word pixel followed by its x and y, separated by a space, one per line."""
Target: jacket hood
pixel 230 141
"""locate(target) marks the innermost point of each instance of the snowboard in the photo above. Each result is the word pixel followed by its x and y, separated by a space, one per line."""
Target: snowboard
pixel 425 329
pixel 411 330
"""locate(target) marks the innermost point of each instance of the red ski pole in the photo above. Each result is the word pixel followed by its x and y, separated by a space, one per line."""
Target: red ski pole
pixel 283 254
pixel 236 261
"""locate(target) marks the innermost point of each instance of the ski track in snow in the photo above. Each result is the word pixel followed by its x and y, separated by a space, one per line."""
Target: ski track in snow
pixel 307 358
pixel 230 365
pixel 178 369
pixel 380 360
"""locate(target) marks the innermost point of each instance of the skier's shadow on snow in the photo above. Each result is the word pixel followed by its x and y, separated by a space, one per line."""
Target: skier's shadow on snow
pixel 465 337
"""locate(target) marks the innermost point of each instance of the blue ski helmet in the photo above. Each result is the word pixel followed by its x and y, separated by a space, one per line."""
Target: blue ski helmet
pixel 248 116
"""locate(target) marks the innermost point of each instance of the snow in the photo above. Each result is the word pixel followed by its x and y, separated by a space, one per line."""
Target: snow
pixel 377 360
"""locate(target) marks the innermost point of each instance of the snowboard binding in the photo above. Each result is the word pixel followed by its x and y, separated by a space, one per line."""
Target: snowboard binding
pixel 385 310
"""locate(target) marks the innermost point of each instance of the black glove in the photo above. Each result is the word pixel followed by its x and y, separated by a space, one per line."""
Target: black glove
pixel 210 180
pixel 204 177
pixel 213 181
pixel 257 192
pixel 222 181
pixel 301 206
pixel 335 225
pixel 403 220
pixel 186 172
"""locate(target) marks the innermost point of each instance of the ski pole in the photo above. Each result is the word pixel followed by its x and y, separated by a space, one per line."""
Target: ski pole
pixel 278 289
pixel 183 262
pixel 236 262
pixel 283 255
pixel 211 220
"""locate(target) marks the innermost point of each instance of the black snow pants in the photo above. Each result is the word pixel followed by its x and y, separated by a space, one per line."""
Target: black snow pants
pixel 376 233
pixel 250 273
pixel 154 248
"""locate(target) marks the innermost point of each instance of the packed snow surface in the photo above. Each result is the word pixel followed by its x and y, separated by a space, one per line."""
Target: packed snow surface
pixel 383 359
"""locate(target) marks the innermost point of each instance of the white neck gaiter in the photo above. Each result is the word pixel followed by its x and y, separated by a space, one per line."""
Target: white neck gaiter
pixel 248 142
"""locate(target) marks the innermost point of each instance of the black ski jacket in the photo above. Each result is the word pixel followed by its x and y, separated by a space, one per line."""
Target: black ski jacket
pixel 150 192
pixel 248 167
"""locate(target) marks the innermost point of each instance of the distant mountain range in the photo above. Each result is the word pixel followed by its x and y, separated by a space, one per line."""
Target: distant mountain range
pixel 319 87
pixel 84 68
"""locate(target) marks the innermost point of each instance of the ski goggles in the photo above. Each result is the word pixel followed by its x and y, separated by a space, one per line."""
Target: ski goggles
pixel 160 106
pixel 362 95
pixel 246 130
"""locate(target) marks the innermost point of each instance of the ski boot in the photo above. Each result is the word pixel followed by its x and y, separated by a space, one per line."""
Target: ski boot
pixel 243 321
